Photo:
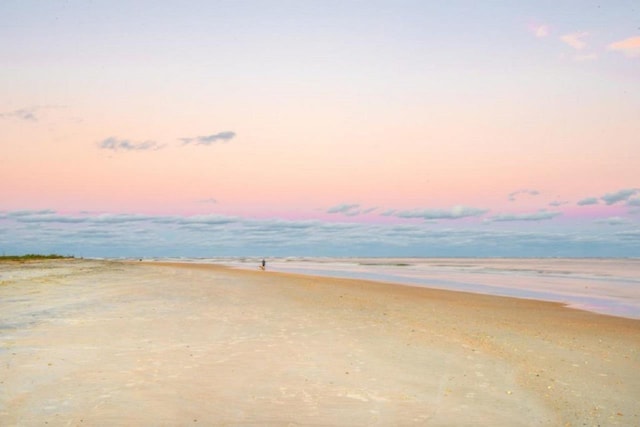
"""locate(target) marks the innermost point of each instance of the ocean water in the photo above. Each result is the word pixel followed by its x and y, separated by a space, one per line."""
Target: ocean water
pixel 606 286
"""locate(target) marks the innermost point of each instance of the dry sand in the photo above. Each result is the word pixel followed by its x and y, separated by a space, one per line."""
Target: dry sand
pixel 107 343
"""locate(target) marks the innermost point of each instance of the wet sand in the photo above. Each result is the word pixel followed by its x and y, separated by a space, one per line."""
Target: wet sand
pixel 110 343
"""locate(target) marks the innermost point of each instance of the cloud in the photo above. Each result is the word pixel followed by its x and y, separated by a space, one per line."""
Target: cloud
pixel 575 40
pixel 116 144
pixel 633 202
pixel 541 215
pixel 614 220
pixel 343 208
pixel 512 196
pixel 629 47
pixel 350 209
pixel 120 218
pixel 198 219
pixel 51 218
pixel 27 213
pixel 455 212
pixel 588 201
pixel 619 196
pixel 629 235
pixel 29 114
pixel 539 30
pixel 136 235
pixel 557 203
pixel 209 139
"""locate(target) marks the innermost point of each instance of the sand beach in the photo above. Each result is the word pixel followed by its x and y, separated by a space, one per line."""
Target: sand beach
pixel 103 343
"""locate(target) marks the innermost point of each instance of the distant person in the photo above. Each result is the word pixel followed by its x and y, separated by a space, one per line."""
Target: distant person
pixel 264 265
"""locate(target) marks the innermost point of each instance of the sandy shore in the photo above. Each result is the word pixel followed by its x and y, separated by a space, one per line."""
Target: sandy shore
pixel 106 343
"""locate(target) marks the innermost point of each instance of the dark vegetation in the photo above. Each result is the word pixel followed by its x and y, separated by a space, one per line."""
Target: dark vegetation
pixel 33 257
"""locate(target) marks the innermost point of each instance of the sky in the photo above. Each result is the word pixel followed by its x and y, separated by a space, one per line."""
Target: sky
pixel 320 128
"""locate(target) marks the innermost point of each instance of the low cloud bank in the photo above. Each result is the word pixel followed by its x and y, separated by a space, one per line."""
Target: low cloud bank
pixel 135 235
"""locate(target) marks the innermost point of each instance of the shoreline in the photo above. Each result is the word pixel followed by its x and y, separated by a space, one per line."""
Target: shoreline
pixel 104 342
pixel 581 286
pixel 384 286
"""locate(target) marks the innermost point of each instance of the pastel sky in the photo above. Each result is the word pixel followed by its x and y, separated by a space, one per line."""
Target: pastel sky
pixel 323 128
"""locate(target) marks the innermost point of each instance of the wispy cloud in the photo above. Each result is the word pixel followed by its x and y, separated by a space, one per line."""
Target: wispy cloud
pixel 541 215
pixel 619 196
pixel 455 212
pixel 120 218
pixel 350 209
pixel 29 114
pixel 121 144
pixel 575 40
pixel 634 202
pixel 26 214
pixel 209 139
pixel 588 201
pixel 22 213
pixel 512 196
pixel 117 144
pixel 343 208
pixel 629 47
pixel 557 203
pixel 614 220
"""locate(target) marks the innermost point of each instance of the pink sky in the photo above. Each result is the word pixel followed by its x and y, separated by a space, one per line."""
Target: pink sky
pixel 397 107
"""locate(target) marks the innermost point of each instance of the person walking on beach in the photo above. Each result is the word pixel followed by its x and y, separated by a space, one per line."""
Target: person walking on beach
pixel 264 264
